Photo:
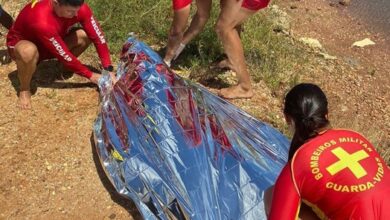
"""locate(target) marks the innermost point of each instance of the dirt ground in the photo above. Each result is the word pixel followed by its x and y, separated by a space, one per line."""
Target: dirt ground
pixel 48 164
pixel 358 82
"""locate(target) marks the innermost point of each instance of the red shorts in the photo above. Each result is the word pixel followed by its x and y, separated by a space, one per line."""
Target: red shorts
pixel 44 54
pixel 255 5
pixel 12 41
pixel 179 4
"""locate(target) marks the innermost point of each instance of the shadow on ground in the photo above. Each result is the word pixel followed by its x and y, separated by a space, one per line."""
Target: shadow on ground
pixel 209 77
pixel 115 196
pixel 4 57
pixel 51 74
pixel 203 72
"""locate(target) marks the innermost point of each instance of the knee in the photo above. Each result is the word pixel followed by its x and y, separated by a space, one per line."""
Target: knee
pixel 221 29
pixel 27 53
pixel 203 17
pixel 176 33
pixel 82 38
pixel 202 22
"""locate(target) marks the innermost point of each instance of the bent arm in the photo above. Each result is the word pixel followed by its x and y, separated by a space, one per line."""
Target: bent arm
pixel 95 33
pixel 56 45
pixel 286 200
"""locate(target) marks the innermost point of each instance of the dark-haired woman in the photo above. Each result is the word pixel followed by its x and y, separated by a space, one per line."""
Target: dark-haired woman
pixel 337 173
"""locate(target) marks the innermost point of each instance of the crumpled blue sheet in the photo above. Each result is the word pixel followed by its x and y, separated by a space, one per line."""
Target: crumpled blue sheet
pixel 177 150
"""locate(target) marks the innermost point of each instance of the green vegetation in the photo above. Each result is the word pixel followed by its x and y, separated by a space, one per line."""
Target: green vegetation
pixel 271 57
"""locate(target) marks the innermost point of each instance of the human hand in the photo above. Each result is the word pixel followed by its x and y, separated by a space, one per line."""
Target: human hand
pixel 95 78
pixel 109 69
pixel 113 77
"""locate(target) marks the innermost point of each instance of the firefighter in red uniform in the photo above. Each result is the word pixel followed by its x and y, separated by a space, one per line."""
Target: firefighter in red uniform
pixel 336 172
pixel 43 30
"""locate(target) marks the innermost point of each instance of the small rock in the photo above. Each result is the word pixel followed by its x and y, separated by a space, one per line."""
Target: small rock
pixel 371 72
pixel 327 56
pixel 363 43
pixel 311 42
pixel 280 19
pixel 344 108
pixel 345 2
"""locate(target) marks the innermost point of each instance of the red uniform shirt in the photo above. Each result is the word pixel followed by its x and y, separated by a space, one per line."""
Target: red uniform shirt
pixel 339 174
pixel 38 23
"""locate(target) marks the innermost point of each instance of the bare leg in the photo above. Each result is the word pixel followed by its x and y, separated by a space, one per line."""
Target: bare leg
pixel 230 17
pixel 26 58
pixel 198 21
pixel 197 24
pixel 77 41
pixel 176 32
pixel 225 63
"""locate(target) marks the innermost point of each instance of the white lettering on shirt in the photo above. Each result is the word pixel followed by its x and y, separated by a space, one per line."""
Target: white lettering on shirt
pixel 60 50
pixel 97 30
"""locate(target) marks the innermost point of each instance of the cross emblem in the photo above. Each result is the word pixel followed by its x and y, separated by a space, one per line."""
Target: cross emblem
pixel 350 161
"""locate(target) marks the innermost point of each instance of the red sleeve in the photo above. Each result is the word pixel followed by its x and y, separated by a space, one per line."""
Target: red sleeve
pixel 95 33
pixel 54 43
pixel 286 200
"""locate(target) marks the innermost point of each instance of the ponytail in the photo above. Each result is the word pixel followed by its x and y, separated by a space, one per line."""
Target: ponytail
pixel 307 106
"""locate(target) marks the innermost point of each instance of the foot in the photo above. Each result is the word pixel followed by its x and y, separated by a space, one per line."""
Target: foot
pixel 222 65
pixel 24 100
pixel 235 92
pixel 167 62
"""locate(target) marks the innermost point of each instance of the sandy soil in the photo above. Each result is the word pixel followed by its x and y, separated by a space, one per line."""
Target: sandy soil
pixel 357 83
pixel 49 167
